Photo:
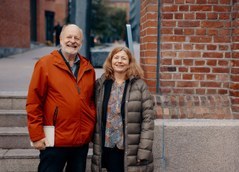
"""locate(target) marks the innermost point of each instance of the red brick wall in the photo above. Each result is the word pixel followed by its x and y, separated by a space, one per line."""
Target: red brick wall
pixel 195 57
pixel 195 49
pixel 234 86
pixel 15 23
pixel 148 40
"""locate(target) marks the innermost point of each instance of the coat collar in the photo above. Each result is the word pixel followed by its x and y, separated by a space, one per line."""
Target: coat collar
pixel 58 60
pixel 84 63
pixel 102 79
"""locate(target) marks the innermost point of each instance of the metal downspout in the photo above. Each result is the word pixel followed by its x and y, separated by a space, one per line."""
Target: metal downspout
pixel 158 51
pixel 162 158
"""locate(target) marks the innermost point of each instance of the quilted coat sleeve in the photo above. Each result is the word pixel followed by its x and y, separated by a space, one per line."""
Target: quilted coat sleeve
pixel 36 94
pixel 147 126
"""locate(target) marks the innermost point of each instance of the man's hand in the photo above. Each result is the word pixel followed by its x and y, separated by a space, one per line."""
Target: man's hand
pixel 40 144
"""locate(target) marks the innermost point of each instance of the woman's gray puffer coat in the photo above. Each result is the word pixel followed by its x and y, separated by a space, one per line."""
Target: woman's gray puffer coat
pixel 139 127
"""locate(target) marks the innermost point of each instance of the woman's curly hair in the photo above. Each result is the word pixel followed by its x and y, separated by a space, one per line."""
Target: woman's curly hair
pixel 133 70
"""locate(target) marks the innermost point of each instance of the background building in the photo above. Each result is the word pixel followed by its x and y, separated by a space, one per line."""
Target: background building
pixel 79 14
pixel 29 21
pixel 135 19
pixel 14 26
pixel 123 4
pixel 48 13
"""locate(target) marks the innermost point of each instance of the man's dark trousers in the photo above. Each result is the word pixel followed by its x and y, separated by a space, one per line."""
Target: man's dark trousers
pixel 54 159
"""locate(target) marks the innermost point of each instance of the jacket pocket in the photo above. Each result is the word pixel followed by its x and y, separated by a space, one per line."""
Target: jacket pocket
pixel 55 115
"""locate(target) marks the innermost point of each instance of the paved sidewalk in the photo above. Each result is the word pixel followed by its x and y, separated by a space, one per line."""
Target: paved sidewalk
pixel 16 70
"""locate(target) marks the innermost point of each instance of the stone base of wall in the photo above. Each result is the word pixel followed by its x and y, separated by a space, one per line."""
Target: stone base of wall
pixel 4 52
pixel 200 145
pixel 193 106
pixel 8 51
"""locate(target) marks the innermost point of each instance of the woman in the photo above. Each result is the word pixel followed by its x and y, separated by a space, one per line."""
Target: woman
pixel 124 131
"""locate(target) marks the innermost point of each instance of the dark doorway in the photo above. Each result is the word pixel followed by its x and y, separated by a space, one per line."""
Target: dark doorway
pixel 33 18
pixel 49 23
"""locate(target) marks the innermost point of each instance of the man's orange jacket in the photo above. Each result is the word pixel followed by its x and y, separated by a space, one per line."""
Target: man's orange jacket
pixel 56 97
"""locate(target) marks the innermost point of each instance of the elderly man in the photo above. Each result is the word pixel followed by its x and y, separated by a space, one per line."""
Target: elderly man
pixel 61 95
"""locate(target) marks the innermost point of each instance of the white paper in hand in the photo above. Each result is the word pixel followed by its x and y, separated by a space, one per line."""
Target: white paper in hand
pixel 50 135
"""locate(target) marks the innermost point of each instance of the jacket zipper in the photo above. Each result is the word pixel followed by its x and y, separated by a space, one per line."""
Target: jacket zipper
pixel 99 111
pixel 126 125
pixel 77 88
pixel 68 70
pixel 77 80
